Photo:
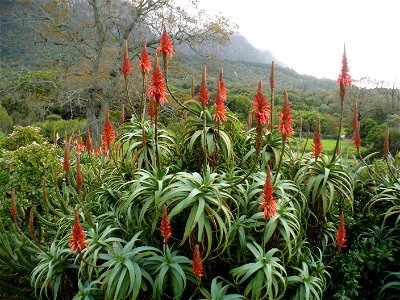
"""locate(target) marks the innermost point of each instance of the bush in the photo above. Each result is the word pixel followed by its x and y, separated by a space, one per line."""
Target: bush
pixel 51 126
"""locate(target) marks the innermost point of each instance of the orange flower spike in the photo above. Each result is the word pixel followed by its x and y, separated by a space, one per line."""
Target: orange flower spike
pixel 203 92
pixel 386 147
pixel 272 77
pixel 77 239
pixel 80 146
pixel 260 106
pixel 79 176
pixel 66 164
pixel 356 127
pixel 197 264
pixel 157 85
pixel 222 86
pixel 165 48
pixel 344 79
pixel 219 113
pixel 144 60
pixel 96 151
pixel 126 64
pixel 151 109
pixel 341 233
pixel 89 144
pixel 13 209
pixel 165 227
pixel 317 145
pixel 285 119
pixel 107 135
pixel 268 202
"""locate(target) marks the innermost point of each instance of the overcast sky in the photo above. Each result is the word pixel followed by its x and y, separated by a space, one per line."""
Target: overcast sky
pixel 308 35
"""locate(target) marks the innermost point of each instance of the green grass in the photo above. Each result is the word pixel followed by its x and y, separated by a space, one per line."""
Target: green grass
pixel 329 145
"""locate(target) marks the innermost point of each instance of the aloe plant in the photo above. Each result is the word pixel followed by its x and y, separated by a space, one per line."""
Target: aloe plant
pixel 265 276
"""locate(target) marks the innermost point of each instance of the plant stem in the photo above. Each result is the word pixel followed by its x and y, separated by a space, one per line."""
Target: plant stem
pixel 204 140
pixel 340 129
pixel 158 163
pixel 280 159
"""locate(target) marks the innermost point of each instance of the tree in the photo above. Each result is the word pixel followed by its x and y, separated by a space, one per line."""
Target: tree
pixel 87 37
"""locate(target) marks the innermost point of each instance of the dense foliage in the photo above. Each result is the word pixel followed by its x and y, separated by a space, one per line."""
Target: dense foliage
pixel 210 210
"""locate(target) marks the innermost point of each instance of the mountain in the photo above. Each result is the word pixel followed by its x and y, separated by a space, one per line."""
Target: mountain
pixel 237 49
pixel 244 74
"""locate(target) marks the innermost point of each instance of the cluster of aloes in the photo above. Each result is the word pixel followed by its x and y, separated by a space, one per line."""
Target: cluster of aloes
pixel 254 228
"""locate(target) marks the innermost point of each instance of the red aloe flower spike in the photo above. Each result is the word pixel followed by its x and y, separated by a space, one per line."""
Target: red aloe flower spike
pixel 386 143
pixel 341 233
pixel 89 144
pixel 268 202
pixel 285 119
pixel 143 136
pixel 344 79
pixel 272 76
pixel 96 151
pixel 157 90
pixel 144 61
pixel 317 145
pixel 165 227
pixel 222 87
pixel 203 92
pixel 77 239
pixel 219 113
pixel 356 127
pixel 260 106
pixel 197 264
pixel 79 177
pixel 122 113
pixel 126 64
pixel 66 164
pixel 13 209
pixel 80 146
pixel 165 48
pixel 31 220
pixel 107 135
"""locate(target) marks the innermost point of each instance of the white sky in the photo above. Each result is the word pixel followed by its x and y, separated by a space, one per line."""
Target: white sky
pixel 308 35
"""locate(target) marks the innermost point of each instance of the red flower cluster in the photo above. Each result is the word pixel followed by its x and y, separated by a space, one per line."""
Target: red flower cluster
pixel 151 109
pixel 219 113
pixel 126 64
pixel 197 264
pixel 341 233
pixel 386 143
pixel 344 77
pixel 165 47
pixel 316 147
pixel 77 239
pixel 165 227
pixel 13 209
pixel 66 164
pixel 107 135
pixel 356 127
pixel 268 202
pixel 285 119
pixel 89 144
pixel 260 106
pixel 144 60
pixel 222 87
pixel 157 90
pixel 203 92
pixel 79 177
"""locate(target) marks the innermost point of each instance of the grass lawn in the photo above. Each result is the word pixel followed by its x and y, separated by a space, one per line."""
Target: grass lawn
pixel 329 145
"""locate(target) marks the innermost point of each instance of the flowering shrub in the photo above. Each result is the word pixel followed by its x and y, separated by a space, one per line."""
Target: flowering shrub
pixel 246 210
